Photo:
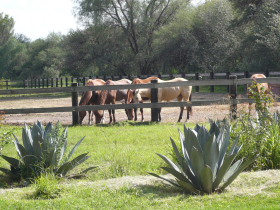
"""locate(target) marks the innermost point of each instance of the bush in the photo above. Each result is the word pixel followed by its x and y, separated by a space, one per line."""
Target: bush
pixel 205 163
pixel 46 187
pixel 43 150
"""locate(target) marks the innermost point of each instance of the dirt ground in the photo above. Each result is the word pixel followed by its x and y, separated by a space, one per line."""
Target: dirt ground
pixel 200 113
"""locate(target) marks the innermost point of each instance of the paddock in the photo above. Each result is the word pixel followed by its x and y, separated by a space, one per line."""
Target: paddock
pixel 205 105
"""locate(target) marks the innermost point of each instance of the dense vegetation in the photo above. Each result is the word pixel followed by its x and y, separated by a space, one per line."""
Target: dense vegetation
pixel 145 37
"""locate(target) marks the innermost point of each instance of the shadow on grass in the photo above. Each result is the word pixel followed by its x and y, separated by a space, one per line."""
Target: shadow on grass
pixel 161 190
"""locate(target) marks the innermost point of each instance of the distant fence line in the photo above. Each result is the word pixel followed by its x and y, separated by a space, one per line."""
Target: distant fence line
pixel 74 89
pixel 66 81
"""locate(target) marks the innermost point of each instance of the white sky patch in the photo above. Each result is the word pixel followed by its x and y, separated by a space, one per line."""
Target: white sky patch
pixel 38 18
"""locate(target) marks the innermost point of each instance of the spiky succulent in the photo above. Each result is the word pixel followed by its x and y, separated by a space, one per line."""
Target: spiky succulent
pixel 43 150
pixel 206 162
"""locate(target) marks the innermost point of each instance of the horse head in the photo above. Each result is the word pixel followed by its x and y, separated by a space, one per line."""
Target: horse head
pixel 137 96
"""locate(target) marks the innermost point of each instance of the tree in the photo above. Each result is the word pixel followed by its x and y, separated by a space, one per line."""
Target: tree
pixel 6 28
pixel 259 28
pixel 200 39
pixel 138 20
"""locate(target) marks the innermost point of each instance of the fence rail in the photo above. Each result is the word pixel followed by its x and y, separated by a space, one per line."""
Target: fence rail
pixel 232 100
pixel 67 81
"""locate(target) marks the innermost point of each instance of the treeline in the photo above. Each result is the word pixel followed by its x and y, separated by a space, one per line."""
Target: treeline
pixel 133 37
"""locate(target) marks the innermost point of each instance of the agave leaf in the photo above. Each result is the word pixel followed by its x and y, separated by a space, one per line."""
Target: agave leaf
pixel 211 153
pixel 183 143
pixel 6 171
pixel 12 161
pixel 169 162
pixel 214 129
pixel 191 140
pixel 66 167
pixel 177 174
pixel 197 127
pixel 87 170
pixel 168 180
pixel 27 139
pixel 63 149
pixel 203 135
pixel 50 159
pixel 197 163
pixel 207 179
pixel 231 151
pixel 188 187
pixel 237 172
pixel 185 164
pixel 232 170
pixel 222 170
pixel 20 149
pixel 74 149
pixel 224 144
pixel 37 147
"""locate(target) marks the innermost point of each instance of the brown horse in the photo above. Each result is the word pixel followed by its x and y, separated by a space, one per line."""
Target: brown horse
pixel 110 97
pixel 89 98
pixel 130 94
pixel 168 94
pixel 261 88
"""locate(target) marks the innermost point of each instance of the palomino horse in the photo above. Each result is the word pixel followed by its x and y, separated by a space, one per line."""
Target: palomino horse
pixel 261 88
pixel 89 98
pixel 110 97
pixel 130 94
pixel 168 94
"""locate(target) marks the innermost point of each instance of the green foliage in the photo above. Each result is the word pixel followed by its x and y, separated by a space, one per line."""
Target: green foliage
pixel 43 150
pixel 259 136
pixel 46 187
pixel 206 162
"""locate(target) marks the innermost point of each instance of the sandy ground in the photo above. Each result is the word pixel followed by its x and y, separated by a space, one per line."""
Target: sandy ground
pixel 200 113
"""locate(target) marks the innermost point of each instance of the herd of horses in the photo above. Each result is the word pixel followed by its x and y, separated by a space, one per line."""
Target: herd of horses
pixel 102 97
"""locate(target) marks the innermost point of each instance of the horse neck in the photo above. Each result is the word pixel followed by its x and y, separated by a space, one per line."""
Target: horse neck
pixel 85 98
pixel 102 97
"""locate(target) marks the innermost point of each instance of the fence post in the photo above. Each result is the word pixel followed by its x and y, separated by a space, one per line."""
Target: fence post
pixel 228 76
pixel 197 77
pixel 233 95
pixel 154 99
pixel 212 87
pixel 75 114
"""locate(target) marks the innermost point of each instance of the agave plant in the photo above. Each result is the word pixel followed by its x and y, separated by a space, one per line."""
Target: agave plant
pixel 206 162
pixel 43 150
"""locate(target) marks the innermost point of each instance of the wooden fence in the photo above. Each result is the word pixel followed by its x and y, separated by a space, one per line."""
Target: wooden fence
pixel 67 81
pixel 233 82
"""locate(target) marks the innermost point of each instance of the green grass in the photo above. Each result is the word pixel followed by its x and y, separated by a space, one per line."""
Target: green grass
pixel 129 150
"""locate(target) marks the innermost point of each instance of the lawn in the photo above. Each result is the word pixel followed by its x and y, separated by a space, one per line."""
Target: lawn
pixel 124 153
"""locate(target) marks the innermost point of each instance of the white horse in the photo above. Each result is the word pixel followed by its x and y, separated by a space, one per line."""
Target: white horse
pixel 168 94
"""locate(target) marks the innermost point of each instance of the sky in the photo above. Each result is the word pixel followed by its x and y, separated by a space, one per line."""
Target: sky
pixel 38 18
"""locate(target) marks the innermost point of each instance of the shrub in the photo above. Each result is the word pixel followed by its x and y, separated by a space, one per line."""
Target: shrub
pixel 205 164
pixel 43 150
pixel 46 187
pixel 259 136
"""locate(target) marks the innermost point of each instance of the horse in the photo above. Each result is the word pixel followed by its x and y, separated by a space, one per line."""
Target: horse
pixel 168 94
pixel 131 92
pixel 110 97
pixel 89 98
pixel 261 88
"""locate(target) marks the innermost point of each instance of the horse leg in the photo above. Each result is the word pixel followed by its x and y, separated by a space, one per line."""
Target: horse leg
pixel 89 118
pixel 181 113
pixel 110 116
pixel 135 114
pixel 159 114
pixel 114 118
